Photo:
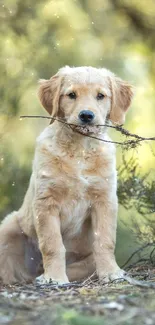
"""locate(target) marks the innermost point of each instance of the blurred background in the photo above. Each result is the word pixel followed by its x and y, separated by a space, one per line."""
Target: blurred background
pixel 39 37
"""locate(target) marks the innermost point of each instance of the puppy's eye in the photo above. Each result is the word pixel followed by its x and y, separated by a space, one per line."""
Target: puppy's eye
pixel 72 95
pixel 100 96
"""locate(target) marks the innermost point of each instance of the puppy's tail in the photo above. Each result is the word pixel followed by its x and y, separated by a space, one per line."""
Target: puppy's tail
pixel 12 239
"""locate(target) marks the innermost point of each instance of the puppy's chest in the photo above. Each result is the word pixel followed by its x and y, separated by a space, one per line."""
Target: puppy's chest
pixel 85 182
pixel 83 174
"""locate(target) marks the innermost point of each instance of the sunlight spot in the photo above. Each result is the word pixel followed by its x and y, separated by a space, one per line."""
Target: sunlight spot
pixel 44 173
pixel 13 184
pixel 32 258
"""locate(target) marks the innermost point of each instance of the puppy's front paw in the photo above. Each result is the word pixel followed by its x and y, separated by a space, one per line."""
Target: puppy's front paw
pixel 118 275
pixel 44 279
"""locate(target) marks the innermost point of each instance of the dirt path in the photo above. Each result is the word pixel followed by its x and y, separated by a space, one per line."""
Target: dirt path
pixel 93 304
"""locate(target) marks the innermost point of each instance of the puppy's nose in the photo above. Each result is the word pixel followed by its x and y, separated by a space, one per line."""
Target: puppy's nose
pixel 86 116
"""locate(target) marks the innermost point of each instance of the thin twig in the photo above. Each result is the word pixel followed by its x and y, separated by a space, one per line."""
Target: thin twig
pixel 66 286
pixel 70 125
pixel 89 279
pixel 151 255
pixel 117 128
pixel 131 281
pixel 139 283
pixel 136 252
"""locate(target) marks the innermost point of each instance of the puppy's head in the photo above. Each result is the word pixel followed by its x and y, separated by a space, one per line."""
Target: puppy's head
pixel 86 96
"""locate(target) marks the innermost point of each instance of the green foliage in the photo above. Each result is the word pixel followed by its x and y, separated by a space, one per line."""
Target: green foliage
pixel 138 191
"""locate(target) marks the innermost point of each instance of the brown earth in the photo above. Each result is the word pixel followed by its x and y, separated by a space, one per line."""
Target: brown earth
pixel 77 304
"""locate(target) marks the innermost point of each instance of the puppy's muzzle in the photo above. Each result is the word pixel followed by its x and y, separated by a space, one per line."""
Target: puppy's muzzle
pixel 86 116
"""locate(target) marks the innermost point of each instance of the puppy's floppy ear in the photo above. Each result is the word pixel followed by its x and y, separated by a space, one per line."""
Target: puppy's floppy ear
pixel 49 94
pixel 122 94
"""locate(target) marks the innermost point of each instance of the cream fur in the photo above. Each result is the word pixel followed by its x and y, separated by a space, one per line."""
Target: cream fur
pixel 66 226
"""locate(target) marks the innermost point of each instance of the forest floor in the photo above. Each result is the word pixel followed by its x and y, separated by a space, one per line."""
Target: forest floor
pixel 90 303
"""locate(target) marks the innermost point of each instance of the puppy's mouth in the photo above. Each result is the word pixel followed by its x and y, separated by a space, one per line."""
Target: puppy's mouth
pixel 87 129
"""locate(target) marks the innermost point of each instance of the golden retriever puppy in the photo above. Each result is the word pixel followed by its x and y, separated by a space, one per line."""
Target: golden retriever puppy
pixel 66 227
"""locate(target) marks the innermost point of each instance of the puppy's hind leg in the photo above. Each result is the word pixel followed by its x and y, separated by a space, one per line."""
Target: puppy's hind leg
pixel 81 270
pixel 12 252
